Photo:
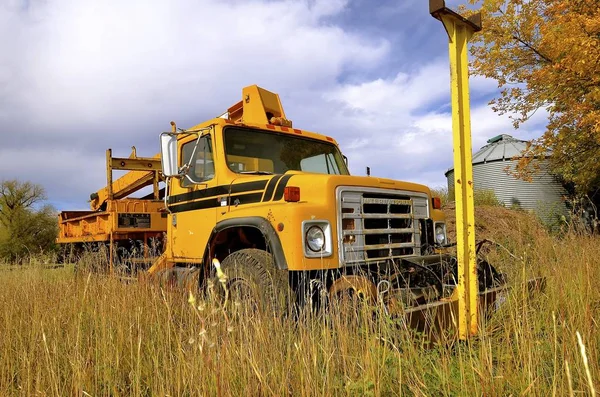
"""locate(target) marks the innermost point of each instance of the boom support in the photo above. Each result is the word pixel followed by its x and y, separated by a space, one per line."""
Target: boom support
pixel 144 172
pixel 258 106
pixel 115 219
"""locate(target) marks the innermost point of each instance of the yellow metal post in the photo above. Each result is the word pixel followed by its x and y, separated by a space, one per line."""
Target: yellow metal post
pixel 460 30
pixel 109 181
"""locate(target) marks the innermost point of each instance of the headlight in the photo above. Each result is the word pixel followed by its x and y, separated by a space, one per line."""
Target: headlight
pixel 315 238
pixel 440 233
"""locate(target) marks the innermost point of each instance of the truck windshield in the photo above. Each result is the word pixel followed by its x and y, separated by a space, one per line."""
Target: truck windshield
pixel 253 151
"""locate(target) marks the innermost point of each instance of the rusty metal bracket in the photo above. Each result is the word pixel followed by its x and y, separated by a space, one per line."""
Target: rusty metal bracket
pixel 135 164
pixel 438 9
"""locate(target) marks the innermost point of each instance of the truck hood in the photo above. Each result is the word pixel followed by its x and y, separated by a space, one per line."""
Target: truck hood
pixel 325 183
pixel 320 188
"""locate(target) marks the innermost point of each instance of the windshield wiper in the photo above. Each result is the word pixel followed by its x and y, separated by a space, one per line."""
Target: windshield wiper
pixel 257 172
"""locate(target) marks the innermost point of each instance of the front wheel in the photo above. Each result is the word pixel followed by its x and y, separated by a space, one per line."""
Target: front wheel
pixel 254 283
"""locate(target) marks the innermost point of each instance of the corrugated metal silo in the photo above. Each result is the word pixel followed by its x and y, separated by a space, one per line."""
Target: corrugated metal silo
pixel 544 194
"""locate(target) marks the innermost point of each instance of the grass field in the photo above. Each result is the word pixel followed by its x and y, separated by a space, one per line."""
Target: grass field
pixel 65 335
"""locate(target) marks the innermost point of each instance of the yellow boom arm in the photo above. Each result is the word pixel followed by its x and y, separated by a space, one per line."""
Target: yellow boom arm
pixel 144 171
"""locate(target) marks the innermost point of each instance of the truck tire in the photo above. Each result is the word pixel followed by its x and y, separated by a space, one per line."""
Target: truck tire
pixel 253 280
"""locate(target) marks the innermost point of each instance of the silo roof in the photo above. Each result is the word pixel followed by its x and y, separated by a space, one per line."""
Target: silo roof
pixel 500 147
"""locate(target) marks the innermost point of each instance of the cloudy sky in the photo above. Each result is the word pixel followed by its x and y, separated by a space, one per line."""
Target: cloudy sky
pixel 80 76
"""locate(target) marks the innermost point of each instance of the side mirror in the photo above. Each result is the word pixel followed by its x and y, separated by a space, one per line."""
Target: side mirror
pixel 168 154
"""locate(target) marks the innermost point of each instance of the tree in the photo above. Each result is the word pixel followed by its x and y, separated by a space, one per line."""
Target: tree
pixel 24 228
pixel 545 54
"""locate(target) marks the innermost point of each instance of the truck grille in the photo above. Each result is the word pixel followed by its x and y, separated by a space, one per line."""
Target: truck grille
pixel 378 224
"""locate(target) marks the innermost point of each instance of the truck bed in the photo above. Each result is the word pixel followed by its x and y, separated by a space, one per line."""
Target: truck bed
pixel 126 219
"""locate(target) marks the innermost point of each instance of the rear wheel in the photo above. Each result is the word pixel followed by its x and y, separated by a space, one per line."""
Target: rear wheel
pixel 254 283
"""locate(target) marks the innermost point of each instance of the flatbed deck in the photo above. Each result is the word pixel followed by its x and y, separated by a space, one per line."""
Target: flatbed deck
pixel 123 219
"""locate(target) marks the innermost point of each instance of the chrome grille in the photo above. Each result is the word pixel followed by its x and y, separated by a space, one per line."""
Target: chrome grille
pixel 379 224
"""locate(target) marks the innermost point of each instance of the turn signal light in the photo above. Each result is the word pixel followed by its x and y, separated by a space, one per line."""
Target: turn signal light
pixel 437 203
pixel 291 193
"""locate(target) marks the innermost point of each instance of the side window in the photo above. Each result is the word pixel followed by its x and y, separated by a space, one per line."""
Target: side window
pixel 202 167
pixel 321 163
pixel 333 166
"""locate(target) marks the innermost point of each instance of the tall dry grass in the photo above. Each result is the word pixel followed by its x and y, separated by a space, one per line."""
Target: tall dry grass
pixel 93 335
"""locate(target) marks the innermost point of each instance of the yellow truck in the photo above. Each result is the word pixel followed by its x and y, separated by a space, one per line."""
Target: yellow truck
pixel 275 209
pixel 260 208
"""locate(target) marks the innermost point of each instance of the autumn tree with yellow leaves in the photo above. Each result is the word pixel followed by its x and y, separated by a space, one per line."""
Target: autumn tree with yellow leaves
pixel 545 54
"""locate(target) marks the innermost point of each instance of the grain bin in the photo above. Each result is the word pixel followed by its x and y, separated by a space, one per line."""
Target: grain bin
pixel 544 194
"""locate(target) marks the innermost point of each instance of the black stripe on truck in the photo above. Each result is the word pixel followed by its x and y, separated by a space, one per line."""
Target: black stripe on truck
pixel 271 187
pixel 282 184
pixel 212 196
pixel 218 191
pixel 248 186
pixel 215 202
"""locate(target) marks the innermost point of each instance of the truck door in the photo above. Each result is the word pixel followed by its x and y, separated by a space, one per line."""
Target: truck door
pixel 194 202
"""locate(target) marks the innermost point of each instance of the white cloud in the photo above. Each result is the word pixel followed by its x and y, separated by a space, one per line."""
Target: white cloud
pixel 389 125
pixel 92 75
pixel 77 77
pixel 402 94
pixel 90 61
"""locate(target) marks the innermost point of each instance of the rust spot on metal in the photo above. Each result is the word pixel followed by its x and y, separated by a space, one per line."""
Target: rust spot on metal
pixel 270 216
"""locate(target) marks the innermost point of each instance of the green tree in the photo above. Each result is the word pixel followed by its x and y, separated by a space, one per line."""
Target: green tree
pixel 27 226
pixel 546 54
